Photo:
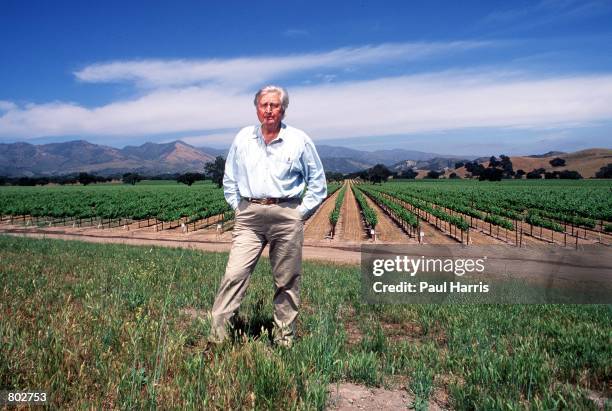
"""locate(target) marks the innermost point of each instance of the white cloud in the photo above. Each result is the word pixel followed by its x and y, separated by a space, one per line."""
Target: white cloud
pixel 163 111
pixel 450 101
pixel 243 72
pixel 196 98
pixel 7 105
pixel 397 105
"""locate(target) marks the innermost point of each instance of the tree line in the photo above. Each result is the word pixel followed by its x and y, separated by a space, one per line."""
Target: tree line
pixel 502 168
pixel 212 170
pixel 496 170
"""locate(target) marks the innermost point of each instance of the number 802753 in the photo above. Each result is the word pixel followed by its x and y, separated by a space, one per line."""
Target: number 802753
pixel 20 397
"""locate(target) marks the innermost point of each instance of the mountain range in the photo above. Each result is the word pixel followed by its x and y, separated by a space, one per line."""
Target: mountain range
pixel 24 159
pixel 347 160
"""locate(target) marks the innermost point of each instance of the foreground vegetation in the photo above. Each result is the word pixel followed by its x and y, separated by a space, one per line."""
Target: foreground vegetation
pixel 114 326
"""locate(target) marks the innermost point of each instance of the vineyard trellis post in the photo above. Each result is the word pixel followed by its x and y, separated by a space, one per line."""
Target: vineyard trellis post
pixel 552 235
pixel 515 232
pixel 576 242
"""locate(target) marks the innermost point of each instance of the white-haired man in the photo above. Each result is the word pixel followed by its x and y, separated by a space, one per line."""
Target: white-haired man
pixel 266 171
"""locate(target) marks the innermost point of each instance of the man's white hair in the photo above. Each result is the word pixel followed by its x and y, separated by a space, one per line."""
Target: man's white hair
pixel 284 96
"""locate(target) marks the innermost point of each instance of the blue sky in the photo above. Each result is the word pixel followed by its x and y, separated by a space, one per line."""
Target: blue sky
pixel 475 78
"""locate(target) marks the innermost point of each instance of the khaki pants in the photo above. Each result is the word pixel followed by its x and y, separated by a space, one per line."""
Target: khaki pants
pixel 256 225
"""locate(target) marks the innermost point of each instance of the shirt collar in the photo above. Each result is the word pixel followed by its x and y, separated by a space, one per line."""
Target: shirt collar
pixel 258 134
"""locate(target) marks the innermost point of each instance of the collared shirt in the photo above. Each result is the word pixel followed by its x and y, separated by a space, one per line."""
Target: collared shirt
pixel 281 169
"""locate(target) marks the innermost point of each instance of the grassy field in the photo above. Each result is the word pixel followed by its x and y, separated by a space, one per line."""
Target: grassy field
pixel 114 326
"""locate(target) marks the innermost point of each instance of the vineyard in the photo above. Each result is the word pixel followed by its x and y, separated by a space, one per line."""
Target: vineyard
pixel 113 205
pixel 519 213
pixel 554 213
pixel 118 326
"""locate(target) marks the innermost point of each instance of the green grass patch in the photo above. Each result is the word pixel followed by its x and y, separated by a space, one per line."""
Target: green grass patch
pixel 115 326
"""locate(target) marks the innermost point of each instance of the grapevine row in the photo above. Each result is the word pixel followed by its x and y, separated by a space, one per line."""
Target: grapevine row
pixel 161 203
pixel 335 214
pixel 402 216
pixel 368 213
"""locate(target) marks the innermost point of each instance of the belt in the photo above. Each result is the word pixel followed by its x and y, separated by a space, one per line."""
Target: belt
pixel 268 201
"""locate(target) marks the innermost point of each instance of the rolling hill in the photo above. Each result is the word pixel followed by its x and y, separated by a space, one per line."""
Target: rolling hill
pixel 24 159
pixel 586 162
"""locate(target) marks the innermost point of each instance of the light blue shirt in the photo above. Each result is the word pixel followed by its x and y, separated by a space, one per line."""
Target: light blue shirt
pixel 281 169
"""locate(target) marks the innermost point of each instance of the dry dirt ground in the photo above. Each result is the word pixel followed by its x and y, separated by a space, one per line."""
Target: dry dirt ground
pixel 318 227
pixel 348 396
pixel 351 229
pixel 386 229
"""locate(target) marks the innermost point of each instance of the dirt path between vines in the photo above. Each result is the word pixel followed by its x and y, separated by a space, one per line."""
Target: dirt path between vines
pixel 541 236
pixel 386 229
pixel 318 226
pixel 433 234
pixel 352 228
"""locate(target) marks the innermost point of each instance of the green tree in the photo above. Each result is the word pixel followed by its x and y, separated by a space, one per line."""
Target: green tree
pixel 333 176
pixel 378 173
pixel 189 178
pixel 506 165
pixel 131 178
pixel 434 174
pixel 557 162
pixel 409 173
pixel 215 170
pixel 604 172
pixel 85 178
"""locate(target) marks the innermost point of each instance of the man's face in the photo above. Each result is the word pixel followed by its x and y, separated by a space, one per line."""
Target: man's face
pixel 269 110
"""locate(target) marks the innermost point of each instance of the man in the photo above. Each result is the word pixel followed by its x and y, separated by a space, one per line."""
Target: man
pixel 266 171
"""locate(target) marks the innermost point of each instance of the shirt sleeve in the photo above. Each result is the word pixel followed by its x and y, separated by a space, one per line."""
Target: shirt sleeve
pixel 230 184
pixel 314 175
